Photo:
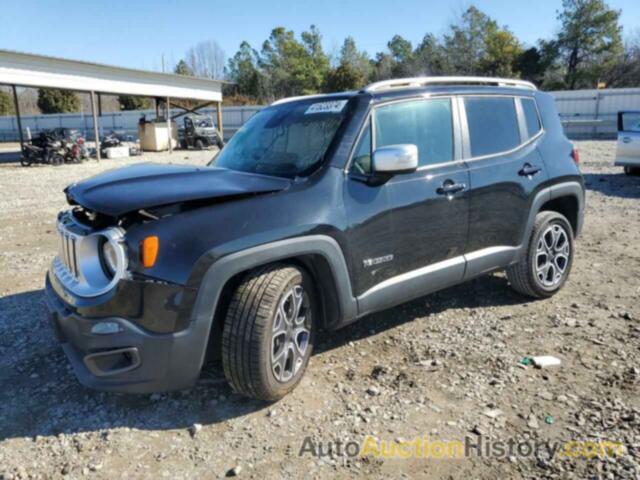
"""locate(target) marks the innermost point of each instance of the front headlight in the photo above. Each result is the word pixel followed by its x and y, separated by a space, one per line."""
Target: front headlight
pixel 102 261
pixel 109 257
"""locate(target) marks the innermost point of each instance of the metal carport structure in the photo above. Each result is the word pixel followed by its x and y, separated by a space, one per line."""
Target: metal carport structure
pixel 19 69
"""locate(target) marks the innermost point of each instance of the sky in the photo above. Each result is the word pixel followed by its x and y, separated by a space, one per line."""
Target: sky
pixel 139 33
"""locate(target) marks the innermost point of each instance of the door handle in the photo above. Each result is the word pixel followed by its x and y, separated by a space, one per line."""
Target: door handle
pixel 449 187
pixel 626 139
pixel 529 170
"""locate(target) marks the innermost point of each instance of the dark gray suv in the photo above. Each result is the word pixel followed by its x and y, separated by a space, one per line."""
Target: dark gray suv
pixel 319 211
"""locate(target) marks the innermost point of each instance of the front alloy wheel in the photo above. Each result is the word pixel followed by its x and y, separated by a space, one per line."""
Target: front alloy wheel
pixel 268 333
pixel 291 334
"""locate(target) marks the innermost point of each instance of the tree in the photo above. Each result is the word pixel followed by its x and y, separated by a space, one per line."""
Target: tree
pixel 465 45
pixel 312 40
pixel 502 51
pixel 244 72
pixel 589 41
pixel 345 77
pixel 291 67
pixel 6 104
pixel 182 68
pixel 625 72
pixel 130 102
pixel 383 66
pixel 206 59
pixel 353 70
pixel 428 57
pixel 53 100
pixel 402 56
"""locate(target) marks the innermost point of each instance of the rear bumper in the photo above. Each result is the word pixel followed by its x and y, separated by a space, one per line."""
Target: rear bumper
pixel 131 360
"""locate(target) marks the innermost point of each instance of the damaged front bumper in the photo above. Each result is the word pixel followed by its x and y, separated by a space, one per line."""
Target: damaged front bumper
pixel 129 340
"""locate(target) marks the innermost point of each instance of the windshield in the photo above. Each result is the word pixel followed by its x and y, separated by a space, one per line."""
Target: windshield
pixel 285 140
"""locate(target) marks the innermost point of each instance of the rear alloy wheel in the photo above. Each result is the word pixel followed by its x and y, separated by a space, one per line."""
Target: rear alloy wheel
pixel 268 333
pixel 546 265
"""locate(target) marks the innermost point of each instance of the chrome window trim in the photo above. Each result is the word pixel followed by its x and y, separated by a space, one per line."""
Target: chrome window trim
pixel 463 128
pixel 455 119
pixel 522 145
pixel 535 104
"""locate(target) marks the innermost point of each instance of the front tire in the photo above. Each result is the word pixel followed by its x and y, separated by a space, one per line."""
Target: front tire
pixel 268 332
pixel 631 170
pixel 544 269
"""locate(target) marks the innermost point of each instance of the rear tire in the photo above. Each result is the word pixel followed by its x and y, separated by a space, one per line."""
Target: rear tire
pixel 546 265
pixel 268 332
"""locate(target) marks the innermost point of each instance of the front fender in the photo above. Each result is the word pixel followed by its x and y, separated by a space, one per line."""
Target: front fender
pixel 224 268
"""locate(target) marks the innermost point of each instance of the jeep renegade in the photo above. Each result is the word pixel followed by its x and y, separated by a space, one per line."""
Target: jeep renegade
pixel 320 210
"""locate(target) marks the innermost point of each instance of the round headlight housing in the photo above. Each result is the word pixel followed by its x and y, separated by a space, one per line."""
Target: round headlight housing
pixel 102 262
pixel 109 257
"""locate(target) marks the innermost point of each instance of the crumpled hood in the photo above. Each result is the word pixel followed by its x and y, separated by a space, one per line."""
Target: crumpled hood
pixel 147 185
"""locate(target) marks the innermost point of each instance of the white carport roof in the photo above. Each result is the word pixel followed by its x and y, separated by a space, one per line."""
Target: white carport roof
pixel 29 70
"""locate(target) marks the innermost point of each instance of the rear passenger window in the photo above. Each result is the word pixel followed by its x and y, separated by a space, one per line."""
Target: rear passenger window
pixel 425 123
pixel 493 124
pixel 531 116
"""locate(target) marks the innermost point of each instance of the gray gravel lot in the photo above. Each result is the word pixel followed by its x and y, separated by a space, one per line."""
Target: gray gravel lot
pixel 444 366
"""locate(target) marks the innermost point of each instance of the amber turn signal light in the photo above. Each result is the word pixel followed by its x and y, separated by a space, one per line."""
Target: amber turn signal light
pixel 150 247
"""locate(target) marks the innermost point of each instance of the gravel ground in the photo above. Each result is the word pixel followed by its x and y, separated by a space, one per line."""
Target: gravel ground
pixel 445 366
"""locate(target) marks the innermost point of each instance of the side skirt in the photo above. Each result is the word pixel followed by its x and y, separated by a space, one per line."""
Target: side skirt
pixel 416 283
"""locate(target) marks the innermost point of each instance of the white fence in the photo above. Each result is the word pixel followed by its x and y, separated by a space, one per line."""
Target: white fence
pixel 593 113
pixel 584 114
pixel 125 122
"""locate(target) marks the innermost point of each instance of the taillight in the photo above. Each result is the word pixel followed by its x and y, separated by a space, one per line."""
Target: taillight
pixel 575 154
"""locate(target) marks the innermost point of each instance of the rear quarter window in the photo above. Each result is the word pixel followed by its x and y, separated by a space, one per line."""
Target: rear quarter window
pixel 531 117
pixel 493 124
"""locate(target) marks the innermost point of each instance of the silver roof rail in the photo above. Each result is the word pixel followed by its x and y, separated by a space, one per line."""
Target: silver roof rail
pixel 415 82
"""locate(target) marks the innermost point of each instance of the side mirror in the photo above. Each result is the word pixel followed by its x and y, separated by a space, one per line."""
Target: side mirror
pixel 395 159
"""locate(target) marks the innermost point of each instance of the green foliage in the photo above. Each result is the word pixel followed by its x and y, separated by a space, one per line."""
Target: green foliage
pixel 586 49
pixel 344 78
pixel 501 53
pixel 244 72
pixel 465 45
pixel 53 100
pixel 6 104
pixel 182 68
pixel 353 71
pixel 625 72
pixel 589 41
pixel 356 59
pixel 292 67
pixel 129 102
pixel 429 57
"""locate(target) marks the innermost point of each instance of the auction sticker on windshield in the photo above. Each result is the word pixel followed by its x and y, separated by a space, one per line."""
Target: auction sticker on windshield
pixel 334 106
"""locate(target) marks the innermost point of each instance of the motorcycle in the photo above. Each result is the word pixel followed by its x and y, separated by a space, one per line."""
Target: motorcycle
pixel 43 149
pixel 73 144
